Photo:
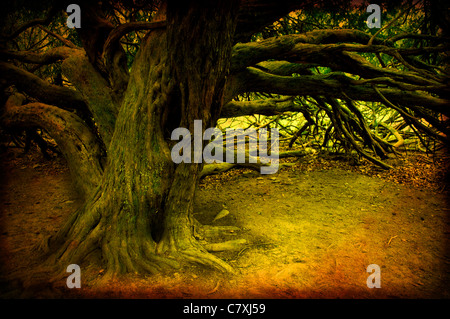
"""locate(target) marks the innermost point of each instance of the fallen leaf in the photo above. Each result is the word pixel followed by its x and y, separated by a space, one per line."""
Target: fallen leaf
pixel 221 214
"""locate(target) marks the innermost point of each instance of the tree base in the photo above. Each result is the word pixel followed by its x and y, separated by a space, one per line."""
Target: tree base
pixel 112 259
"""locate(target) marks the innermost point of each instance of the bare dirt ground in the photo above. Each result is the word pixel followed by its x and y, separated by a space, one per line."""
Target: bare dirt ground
pixel 311 230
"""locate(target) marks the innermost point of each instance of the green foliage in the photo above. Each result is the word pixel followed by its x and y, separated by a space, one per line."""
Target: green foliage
pixel 314 126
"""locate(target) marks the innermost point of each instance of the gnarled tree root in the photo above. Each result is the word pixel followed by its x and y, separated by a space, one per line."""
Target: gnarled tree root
pixel 236 244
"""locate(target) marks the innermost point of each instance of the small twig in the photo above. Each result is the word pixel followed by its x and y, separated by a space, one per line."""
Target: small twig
pixel 214 289
pixel 59 37
pixel 391 22
pixel 242 250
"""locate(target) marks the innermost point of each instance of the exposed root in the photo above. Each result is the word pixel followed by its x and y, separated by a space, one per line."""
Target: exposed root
pixel 229 245
pixel 207 231
pixel 188 249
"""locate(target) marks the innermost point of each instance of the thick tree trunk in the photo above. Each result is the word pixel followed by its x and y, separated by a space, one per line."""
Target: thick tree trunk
pixel 140 218
pixel 78 144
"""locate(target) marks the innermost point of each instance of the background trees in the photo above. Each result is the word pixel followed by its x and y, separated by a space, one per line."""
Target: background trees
pixel 411 45
pixel 341 120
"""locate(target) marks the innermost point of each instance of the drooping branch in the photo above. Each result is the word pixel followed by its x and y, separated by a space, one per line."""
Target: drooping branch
pixel 285 68
pixel 355 64
pixel 248 54
pixel 320 48
pixel 344 131
pixel 410 119
pixel 93 95
pixel 328 48
pixel 323 52
pixel 420 89
pixel 339 123
pixel 76 141
pixel 42 90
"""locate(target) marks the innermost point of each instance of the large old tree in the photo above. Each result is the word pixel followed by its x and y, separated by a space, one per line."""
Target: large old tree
pixel 113 121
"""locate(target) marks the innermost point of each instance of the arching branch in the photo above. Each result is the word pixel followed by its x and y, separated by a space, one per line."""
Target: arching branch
pixel 332 85
pixel 48 57
pixel 263 107
pixel 42 90
pixel 102 102
pixel 250 53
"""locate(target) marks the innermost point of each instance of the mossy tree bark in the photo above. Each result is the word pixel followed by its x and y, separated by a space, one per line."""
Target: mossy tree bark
pixel 140 218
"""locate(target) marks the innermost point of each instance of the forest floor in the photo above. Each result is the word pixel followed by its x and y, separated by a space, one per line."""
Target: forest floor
pixel 312 230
